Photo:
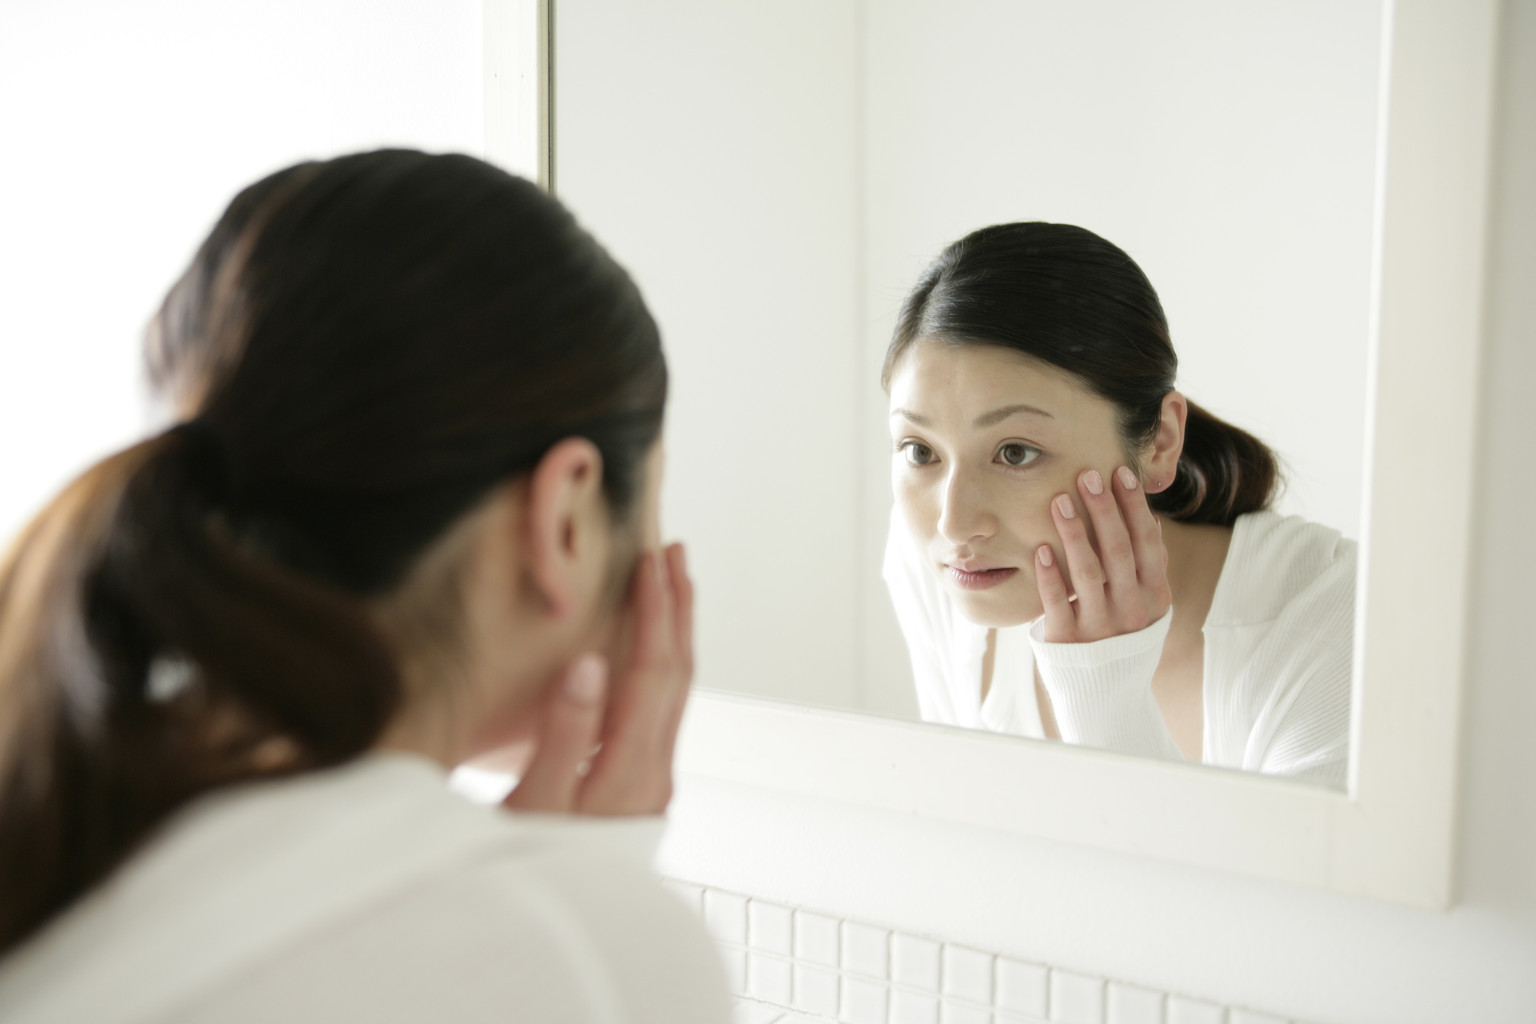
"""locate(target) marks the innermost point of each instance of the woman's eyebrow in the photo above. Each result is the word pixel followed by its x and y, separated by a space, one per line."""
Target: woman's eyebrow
pixel 996 416
pixel 988 419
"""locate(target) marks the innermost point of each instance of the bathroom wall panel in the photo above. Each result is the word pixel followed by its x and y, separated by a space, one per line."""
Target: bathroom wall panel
pixel 925 980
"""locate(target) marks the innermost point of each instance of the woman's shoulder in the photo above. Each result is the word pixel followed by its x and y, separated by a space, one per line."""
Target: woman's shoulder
pixel 556 933
pixel 371 869
pixel 1270 535
pixel 1277 560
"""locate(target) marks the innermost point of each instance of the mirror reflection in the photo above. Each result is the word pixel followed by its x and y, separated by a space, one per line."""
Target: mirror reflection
pixel 1080 552
pixel 777 221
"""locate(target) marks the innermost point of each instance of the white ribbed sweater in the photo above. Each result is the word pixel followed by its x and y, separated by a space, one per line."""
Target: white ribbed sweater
pixel 371 893
pixel 1278 659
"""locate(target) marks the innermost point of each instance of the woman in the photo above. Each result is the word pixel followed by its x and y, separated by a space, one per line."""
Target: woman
pixel 409 517
pixel 1079 551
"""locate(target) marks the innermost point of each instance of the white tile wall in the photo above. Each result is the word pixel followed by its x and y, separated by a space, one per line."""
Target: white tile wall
pixel 866 950
pixel 1182 1010
pixel 967 975
pixel 864 1001
pixel 915 963
pixel 1023 989
pixel 817 939
pixel 790 965
pixel 1251 1017
pixel 769 928
pixel 726 914
pixel 1076 998
pixel 909 1007
pixel 770 979
pixel 1128 1004
pixel 816 990
pixel 959 1013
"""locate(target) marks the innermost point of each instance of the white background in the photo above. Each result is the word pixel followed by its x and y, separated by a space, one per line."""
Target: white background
pixel 127 127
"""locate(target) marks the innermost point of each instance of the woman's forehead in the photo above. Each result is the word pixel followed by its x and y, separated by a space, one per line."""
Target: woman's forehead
pixel 963 375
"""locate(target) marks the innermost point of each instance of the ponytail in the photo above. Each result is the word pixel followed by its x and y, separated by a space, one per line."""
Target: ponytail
pixel 1224 472
pixel 145 658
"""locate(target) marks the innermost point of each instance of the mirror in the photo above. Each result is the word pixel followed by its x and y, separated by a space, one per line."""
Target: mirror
pixel 777 176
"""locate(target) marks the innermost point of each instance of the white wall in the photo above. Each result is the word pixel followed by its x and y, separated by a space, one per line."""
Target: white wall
pixel 1287 951
pixel 126 129
pixel 711 147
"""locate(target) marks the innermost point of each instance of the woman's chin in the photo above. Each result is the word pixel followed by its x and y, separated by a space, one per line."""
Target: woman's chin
pixel 996 610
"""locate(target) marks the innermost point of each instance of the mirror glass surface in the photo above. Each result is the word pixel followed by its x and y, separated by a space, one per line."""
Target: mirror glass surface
pixel 777 178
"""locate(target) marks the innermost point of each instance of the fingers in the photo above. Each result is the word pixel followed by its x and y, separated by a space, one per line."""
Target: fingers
pixel 1146 535
pixel 1060 619
pixel 682 644
pixel 631 770
pixel 1116 555
pixel 1082 562
pixel 632 774
pixel 572 724
pixel 1114 559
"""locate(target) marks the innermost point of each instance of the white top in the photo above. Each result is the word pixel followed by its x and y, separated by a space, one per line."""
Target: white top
pixel 1277 670
pixel 372 893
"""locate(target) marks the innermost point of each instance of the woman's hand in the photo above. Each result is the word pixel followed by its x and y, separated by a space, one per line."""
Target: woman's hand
pixel 613 756
pixel 1120 576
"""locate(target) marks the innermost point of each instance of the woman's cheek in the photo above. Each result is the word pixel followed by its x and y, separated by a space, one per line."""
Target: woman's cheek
pixel 915 505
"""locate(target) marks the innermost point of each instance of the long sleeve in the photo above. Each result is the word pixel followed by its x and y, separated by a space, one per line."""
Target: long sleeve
pixel 1101 692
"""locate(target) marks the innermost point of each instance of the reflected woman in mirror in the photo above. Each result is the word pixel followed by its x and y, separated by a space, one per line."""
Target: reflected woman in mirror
pixel 408 517
pixel 1077 550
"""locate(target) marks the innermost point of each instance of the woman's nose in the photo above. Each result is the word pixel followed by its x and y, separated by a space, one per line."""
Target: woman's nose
pixel 964 513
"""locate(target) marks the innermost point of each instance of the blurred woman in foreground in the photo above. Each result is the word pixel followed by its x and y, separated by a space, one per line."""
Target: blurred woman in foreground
pixel 409 516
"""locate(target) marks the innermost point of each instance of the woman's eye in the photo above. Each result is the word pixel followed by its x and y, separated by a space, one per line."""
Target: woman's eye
pixel 1016 454
pixel 916 453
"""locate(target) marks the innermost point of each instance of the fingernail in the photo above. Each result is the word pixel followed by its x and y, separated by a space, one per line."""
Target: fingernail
pixel 1093 482
pixel 584 682
pixel 1127 478
pixel 1046 558
pixel 1064 506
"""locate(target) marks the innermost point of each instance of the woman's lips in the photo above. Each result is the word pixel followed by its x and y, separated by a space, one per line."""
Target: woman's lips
pixel 979 579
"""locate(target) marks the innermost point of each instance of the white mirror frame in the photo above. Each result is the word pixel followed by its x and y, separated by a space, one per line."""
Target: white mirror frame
pixel 1391 835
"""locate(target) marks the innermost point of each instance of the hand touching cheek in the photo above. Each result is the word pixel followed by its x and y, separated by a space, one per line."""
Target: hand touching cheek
pixel 1118 568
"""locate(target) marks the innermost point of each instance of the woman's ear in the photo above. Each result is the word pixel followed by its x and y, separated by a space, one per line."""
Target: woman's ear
pixel 1162 466
pixel 563 527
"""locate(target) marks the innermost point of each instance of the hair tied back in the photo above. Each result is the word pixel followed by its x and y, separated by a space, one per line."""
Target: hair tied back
pixel 206 455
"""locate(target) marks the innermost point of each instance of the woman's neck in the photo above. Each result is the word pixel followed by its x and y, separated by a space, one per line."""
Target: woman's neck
pixel 1197 552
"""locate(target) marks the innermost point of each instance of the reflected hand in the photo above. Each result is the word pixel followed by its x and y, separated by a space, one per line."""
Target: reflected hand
pixel 1120 575
pixel 608 737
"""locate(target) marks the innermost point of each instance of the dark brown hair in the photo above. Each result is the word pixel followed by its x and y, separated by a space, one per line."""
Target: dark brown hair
pixel 365 347
pixel 1063 295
